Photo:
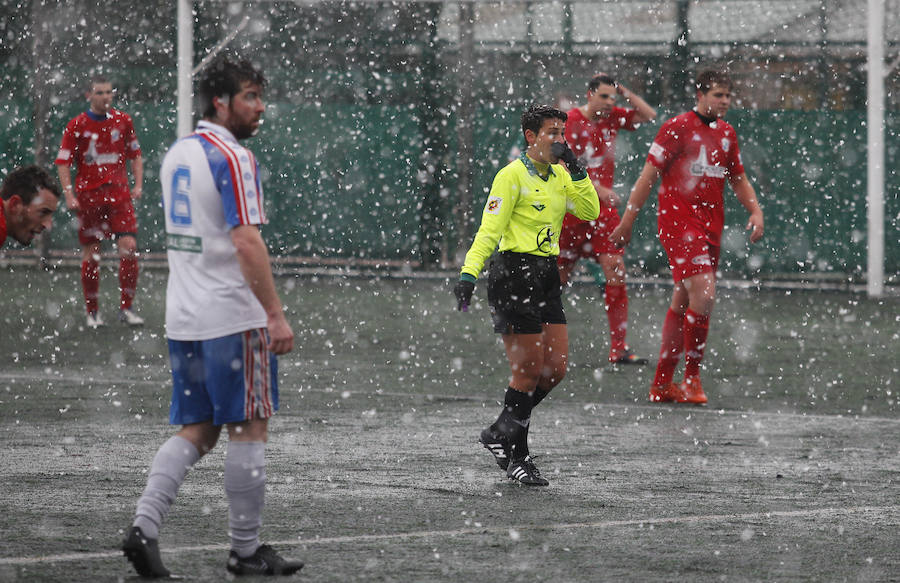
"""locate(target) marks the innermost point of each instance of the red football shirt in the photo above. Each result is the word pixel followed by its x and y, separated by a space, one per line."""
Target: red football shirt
pixel 99 148
pixel 2 224
pixel 695 159
pixel 594 141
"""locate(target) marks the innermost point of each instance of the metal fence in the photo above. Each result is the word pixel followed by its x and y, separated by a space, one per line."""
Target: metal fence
pixel 388 119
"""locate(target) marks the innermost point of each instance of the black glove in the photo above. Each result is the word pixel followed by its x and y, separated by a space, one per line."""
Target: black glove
pixel 565 154
pixel 463 292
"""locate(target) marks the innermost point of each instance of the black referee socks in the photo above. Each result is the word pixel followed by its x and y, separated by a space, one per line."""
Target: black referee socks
pixel 538 396
pixel 513 421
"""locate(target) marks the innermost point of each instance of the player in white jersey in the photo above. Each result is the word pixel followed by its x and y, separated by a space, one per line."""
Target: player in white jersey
pixel 224 323
pixel 203 175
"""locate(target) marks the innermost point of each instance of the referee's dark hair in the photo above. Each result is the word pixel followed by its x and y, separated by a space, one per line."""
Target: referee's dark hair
pixel 533 117
pixel 224 77
pixel 601 79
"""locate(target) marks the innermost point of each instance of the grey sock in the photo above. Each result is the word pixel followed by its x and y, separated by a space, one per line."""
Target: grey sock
pixel 245 484
pixel 171 464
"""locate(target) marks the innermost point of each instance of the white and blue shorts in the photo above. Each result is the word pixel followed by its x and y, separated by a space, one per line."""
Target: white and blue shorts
pixel 227 380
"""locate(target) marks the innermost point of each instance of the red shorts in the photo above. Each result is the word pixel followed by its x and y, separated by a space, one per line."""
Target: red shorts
pixel 588 239
pixel 105 212
pixel 690 253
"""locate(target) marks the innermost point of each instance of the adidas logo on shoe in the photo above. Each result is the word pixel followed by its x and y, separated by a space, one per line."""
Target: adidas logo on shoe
pixel 525 472
pixel 497 444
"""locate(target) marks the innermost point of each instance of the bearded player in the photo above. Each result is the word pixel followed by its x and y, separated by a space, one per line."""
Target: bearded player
pixel 225 323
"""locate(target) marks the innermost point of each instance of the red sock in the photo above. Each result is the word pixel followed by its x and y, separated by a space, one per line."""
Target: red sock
pixel 617 313
pixel 696 328
pixel 128 275
pixel 90 284
pixel 672 345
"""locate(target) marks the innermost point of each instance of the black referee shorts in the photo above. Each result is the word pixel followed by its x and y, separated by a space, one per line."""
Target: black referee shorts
pixel 524 293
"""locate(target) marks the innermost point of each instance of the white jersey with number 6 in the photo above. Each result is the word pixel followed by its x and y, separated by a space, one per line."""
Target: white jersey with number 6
pixel 210 184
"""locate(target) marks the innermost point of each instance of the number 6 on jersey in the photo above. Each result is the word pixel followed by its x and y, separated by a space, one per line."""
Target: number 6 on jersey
pixel 180 210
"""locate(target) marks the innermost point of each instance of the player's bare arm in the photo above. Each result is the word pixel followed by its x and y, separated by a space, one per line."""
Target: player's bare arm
pixel 253 258
pixel 746 195
pixel 65 180
pixel 137 170
pixel 644 113
pixel 621 235
pixel 606 195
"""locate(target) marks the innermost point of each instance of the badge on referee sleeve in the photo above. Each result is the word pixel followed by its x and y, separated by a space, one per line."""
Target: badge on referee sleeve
pixel 493 205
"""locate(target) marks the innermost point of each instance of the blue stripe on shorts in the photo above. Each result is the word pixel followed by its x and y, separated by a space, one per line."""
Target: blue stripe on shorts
pixel 227 380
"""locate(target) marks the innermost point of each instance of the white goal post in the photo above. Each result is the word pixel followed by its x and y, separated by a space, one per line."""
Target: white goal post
pixel 875 151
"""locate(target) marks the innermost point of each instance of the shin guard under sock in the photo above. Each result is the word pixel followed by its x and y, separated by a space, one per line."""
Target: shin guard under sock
pixel 170 465
pixel 672 346
pixel 90 284
pixel 696 329
pixel 128 276
pixel 513 421
pixel 245 485
pixel 617 313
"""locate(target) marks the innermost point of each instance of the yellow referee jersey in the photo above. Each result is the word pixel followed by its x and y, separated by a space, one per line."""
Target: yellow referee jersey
pixel 524 212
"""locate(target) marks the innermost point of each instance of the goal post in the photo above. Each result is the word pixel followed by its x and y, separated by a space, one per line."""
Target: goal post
pixel 875 155
pixel 185 65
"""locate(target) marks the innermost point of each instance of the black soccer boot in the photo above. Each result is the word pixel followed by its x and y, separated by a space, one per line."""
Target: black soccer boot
pixel 143 553
pixel 265 561
pixel 525 472
pixel 496 443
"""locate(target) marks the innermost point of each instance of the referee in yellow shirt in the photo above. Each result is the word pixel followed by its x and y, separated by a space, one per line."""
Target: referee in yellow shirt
pixel 522 220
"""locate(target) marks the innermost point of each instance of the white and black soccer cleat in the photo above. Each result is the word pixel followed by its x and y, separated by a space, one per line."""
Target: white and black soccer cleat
pixel 525 472
pixel 497 444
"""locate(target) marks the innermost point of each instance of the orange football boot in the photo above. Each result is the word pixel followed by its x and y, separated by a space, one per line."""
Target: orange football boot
pixel 692 391
pixel 666 394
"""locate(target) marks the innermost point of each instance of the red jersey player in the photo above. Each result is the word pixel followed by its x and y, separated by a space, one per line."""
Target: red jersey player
pixel 28 199
pixel 591 131
pixel 98 142
pixel 695 153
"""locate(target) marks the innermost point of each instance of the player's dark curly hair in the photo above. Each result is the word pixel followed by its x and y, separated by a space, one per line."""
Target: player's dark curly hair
pixel 706 79
pixel 225 76
pixel 26 182
pixel 533 117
